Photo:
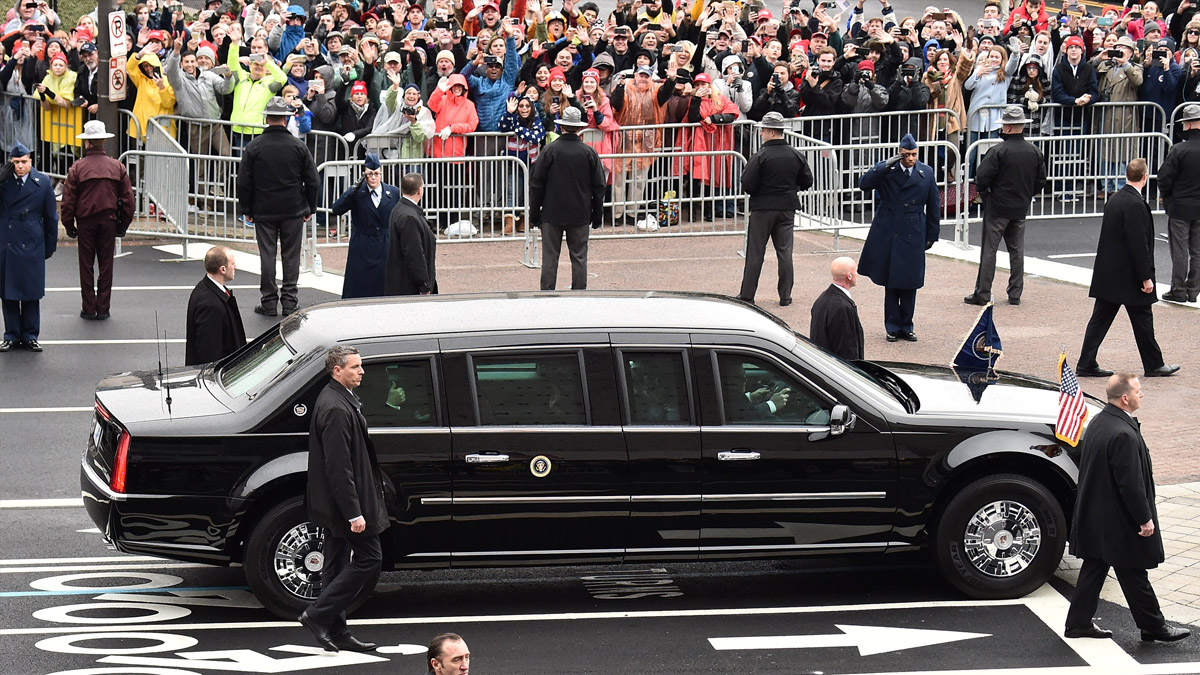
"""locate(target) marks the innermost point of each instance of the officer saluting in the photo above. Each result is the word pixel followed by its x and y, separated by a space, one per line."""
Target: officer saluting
pixel 370 204
pixel 28 237
pixel 906 224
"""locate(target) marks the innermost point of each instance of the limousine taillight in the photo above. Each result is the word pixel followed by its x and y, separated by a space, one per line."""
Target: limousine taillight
pixel 117 483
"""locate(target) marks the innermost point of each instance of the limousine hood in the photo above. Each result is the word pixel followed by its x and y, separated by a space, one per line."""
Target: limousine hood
pixel 141 396
pixel 949 392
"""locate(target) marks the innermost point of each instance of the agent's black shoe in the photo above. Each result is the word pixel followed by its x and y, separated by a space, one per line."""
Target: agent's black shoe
pixel 7 346
pixel 289 310
pixel 1014 301
pixel 85 315
pixel 975 300
pixel 1175 297
pixel 908 336
pixel 785 302
pixel 1092 631
pixel 259 309
pixel 322 635
pixel 892 337
pixel 1165 634
pixel 101 316
pixel 352 644
pixel 33 346
pixel 1092 371
pixel 1165 370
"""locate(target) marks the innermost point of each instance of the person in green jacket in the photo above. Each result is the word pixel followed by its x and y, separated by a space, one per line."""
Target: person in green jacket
pixel 256 79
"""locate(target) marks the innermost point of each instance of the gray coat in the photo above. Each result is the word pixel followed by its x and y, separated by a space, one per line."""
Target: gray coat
pixel 196 95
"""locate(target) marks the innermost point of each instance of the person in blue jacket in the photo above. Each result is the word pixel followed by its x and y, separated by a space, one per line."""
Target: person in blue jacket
pixel 370 204
pixel 28 237
pixel 906 224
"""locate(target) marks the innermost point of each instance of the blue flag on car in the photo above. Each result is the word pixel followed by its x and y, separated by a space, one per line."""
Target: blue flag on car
pixel 981 348
pixel 976 380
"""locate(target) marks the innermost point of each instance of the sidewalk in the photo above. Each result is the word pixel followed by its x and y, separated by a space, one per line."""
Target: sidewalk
pixel 1052 315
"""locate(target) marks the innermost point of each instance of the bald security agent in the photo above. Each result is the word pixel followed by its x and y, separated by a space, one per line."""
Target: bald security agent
pixel 906 224
pixel 214 324
pixel 412 246
pixel 1009 176
pixel 773 177
pixel 28 237
pixel 1115 524
pixel 834 323
pixel 370 205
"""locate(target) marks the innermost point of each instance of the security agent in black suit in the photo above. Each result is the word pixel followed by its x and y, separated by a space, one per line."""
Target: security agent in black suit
pixel 1125 262
pixel 1116 522
pixel 834 324
pixel 214 325
pixel 345 496
pixel 412 247
pixel 1181 194
pixel 773 177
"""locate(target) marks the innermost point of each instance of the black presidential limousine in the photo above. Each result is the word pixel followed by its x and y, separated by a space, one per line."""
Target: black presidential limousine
pixel 555 428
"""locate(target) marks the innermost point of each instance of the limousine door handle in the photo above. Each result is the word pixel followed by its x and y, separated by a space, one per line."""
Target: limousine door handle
pixel 739 455
pixel 490 458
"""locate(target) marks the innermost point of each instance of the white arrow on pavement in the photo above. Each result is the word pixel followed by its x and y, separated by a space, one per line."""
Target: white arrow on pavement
pixel 870 640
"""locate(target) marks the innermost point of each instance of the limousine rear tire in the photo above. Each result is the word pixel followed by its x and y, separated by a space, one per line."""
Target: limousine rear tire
pixel 284 559
pixel 1000 537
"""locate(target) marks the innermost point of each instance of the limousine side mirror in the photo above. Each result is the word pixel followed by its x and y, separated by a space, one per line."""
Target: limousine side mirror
pixel 840 420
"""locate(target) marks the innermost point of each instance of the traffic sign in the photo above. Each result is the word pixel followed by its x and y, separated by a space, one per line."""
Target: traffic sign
pixel 117 79
pixel 116 33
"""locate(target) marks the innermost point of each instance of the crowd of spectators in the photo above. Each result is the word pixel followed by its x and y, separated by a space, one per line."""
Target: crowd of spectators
pixel 408 80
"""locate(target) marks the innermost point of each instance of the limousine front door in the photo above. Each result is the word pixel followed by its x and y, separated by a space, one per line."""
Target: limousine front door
pixel 538 478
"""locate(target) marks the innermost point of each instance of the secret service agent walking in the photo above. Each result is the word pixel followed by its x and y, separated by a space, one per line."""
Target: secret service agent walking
pixel 28 237
pixel 1177 180
pixel 1124 277
pixel 1008 177
pixel 277 192
pixel 906 224
pixel 97 207
pixel 214 324
pixel 345 496
pixel 1116 521
pixel 566 194
pixel 773 177
pixel 370 204
pixel 412 247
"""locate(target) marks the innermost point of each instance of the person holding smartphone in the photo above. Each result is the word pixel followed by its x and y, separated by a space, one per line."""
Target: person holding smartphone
pixel 1120 81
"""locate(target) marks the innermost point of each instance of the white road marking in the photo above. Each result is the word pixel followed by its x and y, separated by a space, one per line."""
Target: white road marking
pixel 1051 607
pixel 131 341
pixel 25 411
pixel 250 263
pixel 870 640
pixel 40 503
pixel 68 561
pixel 92 568
pixel 76 289
pixel 89 530
pixel 250 661
pixel 1060 256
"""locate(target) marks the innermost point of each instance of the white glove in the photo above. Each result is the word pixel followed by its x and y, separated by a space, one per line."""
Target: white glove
pixel 444 133
pixel 1032 95
pixel 349 137
pixel 444 83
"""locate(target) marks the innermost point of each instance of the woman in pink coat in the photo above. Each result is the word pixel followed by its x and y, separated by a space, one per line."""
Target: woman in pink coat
pixel 599 116
pixel 715 115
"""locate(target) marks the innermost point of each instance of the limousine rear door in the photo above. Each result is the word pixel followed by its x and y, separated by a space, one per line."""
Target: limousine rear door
pixel 539 460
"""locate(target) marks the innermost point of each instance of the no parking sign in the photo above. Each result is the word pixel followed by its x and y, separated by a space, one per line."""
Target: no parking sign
pixel 117 80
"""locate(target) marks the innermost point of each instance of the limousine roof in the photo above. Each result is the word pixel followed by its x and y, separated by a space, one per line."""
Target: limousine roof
pixel 533 311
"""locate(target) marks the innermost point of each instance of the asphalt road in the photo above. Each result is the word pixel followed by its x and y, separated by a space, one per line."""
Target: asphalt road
pixel 70 606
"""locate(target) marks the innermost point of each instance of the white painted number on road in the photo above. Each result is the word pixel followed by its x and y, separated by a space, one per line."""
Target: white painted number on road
pixel 869 640
pixel 250 661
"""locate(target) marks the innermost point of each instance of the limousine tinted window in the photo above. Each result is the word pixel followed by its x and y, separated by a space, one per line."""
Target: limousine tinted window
pixel 748 390
pixel 256 366
pixel 657 388
pixel 530 389
pixel 398 394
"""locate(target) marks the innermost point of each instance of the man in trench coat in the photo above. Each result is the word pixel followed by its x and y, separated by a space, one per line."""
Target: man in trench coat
pixel 28 237
pixel 1116 522
pixel 906 224
pixel 412 246
pixel 370 204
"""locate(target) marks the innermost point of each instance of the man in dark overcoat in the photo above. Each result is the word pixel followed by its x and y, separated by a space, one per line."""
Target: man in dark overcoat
pixel 370 204
pixel 412 246
pixel 906 224
pixel 1181 195
pixel 1125 262
pixel 214 324
pixel 345 496
pixel 1116 522
pixel 28 237
pixel 834 322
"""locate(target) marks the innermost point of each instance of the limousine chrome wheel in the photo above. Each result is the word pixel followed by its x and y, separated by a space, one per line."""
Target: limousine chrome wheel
pixel 999 536
pixel 284 559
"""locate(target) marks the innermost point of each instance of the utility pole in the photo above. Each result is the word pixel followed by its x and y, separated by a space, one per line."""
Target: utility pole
pixel 108 108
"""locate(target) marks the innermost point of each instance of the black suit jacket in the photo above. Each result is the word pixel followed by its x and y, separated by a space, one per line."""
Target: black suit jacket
pixel 835 325
pixel 412 250
pixel 344 480
pixel 1116 495
pixel 1125 253
pixel 214 325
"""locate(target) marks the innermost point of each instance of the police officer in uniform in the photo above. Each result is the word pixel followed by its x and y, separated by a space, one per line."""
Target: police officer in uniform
pixel 906 224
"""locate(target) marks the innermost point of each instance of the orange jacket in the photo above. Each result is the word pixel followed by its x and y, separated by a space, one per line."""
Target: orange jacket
pixel 453 111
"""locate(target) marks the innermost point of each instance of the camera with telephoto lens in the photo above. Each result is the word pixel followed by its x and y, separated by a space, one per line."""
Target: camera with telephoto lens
pixel 1115 53
pixel 866 77
pixel 908 71
pixel 775 79
pixel 408 110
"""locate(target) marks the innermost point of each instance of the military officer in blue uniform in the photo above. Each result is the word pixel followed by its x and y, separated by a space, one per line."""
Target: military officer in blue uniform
pixel 370 204
pixel 28 237
pixel 906 224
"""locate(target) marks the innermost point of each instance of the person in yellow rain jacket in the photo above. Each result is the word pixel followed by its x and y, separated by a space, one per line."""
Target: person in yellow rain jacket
pixel 155 96
pixel 61 120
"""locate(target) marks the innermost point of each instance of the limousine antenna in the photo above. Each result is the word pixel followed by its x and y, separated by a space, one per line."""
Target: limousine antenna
pixel 161 340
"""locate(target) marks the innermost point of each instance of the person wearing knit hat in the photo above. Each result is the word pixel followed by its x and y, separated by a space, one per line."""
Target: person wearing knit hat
pixel 28 237
pixel 907 223
pixel 198 95
pixel 206 55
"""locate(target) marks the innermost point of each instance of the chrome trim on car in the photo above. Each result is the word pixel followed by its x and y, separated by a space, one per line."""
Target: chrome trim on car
pixel 794 496
pixel 679 549
pixel 183 547
pixel 539 345
pixel 582 551
pixel 664 498
pixel 801 547
pixel 563 499
pixel 540 429
pixel 777 428
pixel 642 499
pixel 102 486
